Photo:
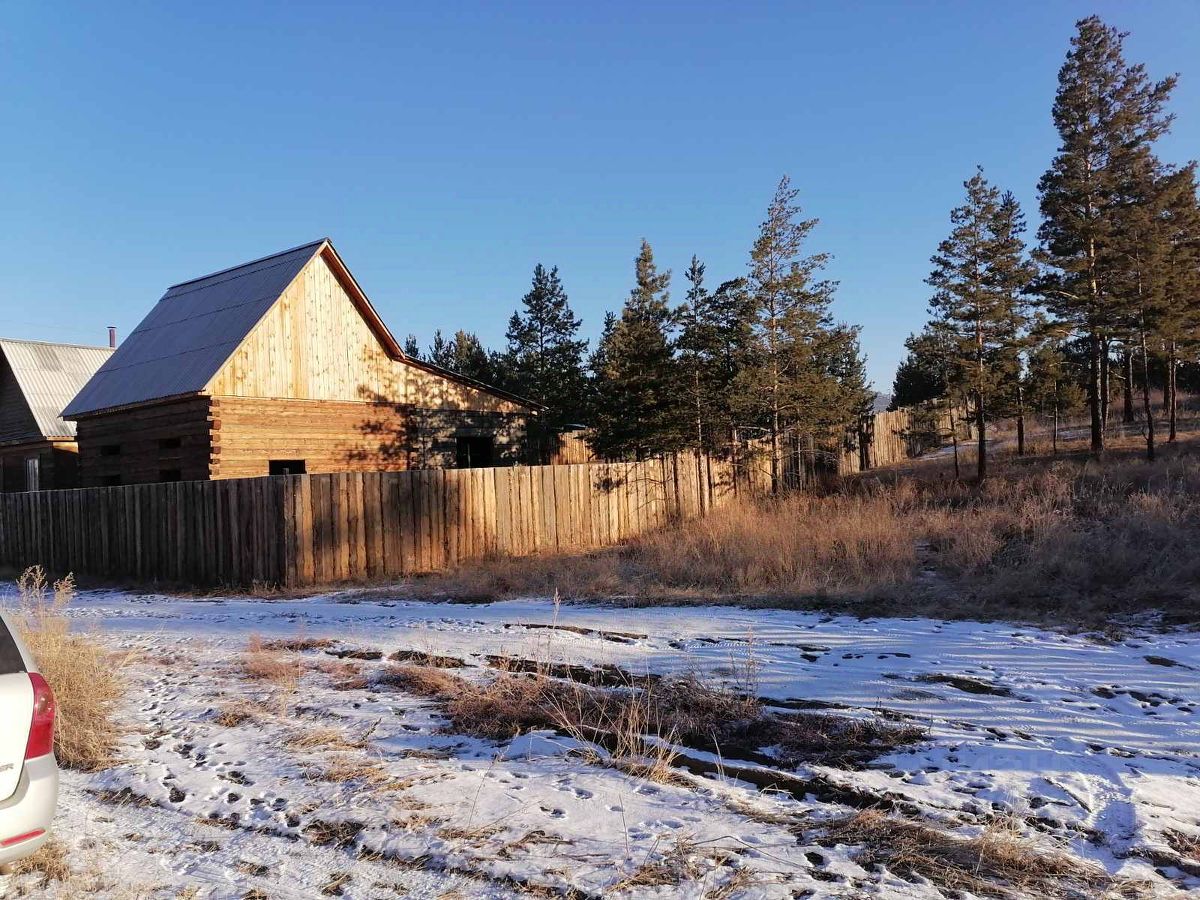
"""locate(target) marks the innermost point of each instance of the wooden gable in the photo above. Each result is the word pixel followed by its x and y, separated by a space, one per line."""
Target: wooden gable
pixel 321 340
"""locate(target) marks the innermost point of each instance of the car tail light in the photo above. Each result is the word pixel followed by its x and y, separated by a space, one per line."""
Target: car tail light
pixel 41 729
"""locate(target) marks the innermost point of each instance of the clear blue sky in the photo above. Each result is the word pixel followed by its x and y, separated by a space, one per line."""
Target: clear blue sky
pixel 446 148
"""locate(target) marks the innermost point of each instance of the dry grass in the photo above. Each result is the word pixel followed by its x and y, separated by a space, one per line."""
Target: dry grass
pixel 48 864
pixel 327 738
pixel 626 721
pixel 54 870
pixel 84 676
pixel 683 861
pixel 998 862
pixel 1186 845
pixel 344 768
pixel 237 712
pixel 1055 538
pixel 298 644
pixel 343 675
pixel 262 662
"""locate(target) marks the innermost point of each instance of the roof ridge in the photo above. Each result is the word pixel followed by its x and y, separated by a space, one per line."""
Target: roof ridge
pixel 252 262
pixel 8 340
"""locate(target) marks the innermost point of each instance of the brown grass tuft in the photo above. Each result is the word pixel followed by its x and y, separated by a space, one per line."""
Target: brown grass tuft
pixel 298 645
pixel 237 712
pixel 1186 845
pixel 328 738
pixel 639 725
pixel 999 862
pixel 84 676
pixel 343 674
pixel 48 864
pixel 259 661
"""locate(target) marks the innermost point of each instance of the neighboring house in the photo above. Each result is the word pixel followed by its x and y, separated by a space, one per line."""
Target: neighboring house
pixel 279 366
pixel 37 379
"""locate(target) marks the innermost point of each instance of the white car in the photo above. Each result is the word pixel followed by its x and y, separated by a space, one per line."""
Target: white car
pixel 28 769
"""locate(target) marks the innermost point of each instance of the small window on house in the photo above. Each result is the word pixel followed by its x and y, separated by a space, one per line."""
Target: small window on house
pixel 285 467
pixel 110 449
pixel 473 452
pixel 170 475
pixel 110 480
pixel 170 443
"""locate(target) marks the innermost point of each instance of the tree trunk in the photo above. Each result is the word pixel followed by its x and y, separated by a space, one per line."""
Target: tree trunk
pixel 981 437
pixel 1146 407
pixel 775 451
pixel 1172 391
pixel 1020 420
pixel 1127 369
pixel 1105 383
pixel 954 441
pixel 1055 438
pixel 1094 396
pixel 734 457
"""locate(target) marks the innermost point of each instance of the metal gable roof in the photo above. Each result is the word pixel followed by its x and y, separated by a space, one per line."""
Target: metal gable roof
pixel 190 333
pixel 47 376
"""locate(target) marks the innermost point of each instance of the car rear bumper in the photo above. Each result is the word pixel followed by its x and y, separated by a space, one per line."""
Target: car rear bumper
pixel 30 808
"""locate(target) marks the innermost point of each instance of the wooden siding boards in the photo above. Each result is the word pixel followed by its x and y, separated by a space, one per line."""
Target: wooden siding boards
pixel 296 365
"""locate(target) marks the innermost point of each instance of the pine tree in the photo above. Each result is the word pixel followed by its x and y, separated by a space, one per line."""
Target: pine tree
pixel 715 332
pixel 1141 249
pixel 929 380
pixel 924 373
pixel 1053 383
pixel 637 409
pixel 411 348
pixel 788 384
pixel 979 275
pixel 544 357
pixel 1180 322
pixel 464 353
pixel 1104 110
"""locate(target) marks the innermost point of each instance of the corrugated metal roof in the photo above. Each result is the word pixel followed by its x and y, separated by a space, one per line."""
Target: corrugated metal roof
pixel 190 333
pixel 47 376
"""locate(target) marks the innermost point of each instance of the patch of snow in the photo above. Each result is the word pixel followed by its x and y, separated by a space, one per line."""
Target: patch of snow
pixel 1089 742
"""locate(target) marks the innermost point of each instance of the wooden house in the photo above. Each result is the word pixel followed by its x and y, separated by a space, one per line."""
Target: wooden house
pixel 281 365
pixel 38 379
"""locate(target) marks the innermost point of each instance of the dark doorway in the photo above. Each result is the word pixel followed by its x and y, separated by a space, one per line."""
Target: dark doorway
pixel 285 467
pixel 474 452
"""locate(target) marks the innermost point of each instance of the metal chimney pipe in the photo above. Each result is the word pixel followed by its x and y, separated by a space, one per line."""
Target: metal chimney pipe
pixel 112 335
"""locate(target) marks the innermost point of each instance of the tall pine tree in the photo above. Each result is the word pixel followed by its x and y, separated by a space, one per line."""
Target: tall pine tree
pixel 979 274
pixel 544 357
pixel 637 401
pixel 1104 110
pixel 1180 323
pixel 713 342
pixel 788 384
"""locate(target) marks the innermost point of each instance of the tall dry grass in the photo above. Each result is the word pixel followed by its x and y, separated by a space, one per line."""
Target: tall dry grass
pixel 84 675
pixel 1046 537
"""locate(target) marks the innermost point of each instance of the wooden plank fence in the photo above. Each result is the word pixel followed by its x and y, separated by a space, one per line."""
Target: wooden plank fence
pixel 302 530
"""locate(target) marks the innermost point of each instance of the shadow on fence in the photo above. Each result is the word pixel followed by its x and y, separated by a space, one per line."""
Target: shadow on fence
pixel 304 530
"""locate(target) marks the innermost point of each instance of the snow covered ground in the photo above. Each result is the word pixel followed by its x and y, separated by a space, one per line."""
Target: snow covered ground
pixel 1087 742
